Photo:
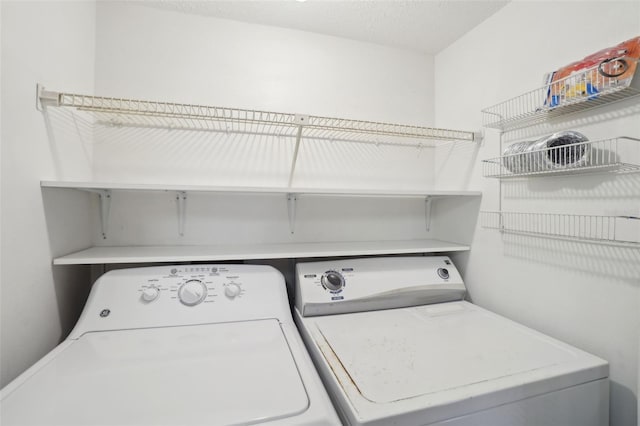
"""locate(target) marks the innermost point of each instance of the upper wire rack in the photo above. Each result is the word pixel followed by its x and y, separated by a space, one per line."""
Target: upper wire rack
pixel 577 92
pixel 138 113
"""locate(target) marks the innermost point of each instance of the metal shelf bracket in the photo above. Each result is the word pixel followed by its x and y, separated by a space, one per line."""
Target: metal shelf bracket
pixel 291 209
pixel 45 98
pixel 301 120
pixel 181 200
pixel 427 212
pixel 105 207
pixel 478 136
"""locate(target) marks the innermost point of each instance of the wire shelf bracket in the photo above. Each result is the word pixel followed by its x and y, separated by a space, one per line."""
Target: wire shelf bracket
pixel 45 98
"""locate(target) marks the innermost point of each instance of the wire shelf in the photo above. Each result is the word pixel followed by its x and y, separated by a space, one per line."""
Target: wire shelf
pixel 584 157
pixel 616 230
pixel 581 91
pixel 138 113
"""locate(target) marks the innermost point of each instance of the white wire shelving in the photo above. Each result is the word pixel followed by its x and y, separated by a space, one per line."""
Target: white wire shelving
pixel 585 157
pixel 139 113
pixel 613 230
pixel 117 112
pixel 581 91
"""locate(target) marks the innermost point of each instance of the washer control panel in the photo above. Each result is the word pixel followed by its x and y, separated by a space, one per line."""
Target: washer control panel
pixel 192 286
pixel 185 294
pixel 353 285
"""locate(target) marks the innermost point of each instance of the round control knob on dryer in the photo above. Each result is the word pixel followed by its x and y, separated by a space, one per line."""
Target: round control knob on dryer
pixel 443 273
pixel 150 294
pixel 232 290
pixel 332 280
pixel 192 292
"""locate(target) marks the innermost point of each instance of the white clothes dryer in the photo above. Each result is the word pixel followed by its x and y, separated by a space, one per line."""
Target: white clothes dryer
pixel 395 344
pixel 176 345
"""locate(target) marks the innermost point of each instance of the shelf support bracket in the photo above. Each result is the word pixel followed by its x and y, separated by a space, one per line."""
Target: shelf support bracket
pixel 291 210
pixel 427 212
pixel 105 207
pixel 301 120
pixel 181 200
pixel 478 136
pixel 45 97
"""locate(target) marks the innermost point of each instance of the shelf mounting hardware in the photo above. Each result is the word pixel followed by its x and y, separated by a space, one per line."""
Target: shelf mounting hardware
pixel 181 200
pixel 291 210
pixel 478 136
pixel 427 212
pixel 105 207
pixel 301 120
pixel 45 97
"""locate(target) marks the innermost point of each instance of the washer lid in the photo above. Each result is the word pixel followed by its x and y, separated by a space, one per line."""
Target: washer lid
pixel 443 354
pixel 232 373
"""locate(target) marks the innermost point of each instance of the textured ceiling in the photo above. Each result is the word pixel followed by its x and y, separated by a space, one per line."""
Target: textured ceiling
pixel 426 26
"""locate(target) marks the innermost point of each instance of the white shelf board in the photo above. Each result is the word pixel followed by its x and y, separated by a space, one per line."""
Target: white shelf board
pixel 145 254
pixel 252 190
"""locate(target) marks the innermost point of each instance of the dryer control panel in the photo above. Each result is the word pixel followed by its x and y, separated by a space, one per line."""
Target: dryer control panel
pixel 164 296
pixel 355 285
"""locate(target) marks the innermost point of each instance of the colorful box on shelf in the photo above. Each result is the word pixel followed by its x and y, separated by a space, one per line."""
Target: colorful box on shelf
pixel 600 79
pixel 608 69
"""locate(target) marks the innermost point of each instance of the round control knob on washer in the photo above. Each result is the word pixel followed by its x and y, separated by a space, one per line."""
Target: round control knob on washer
pixel 150 294
pixel 443 273
pixel 332 280
pixel 232 290
pixel 192 292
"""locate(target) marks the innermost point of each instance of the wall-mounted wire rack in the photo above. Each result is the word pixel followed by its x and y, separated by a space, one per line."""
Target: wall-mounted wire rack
pixel 139 113
pixel 592 228
pixel 585 157
pixel 581 91
pixel 166 115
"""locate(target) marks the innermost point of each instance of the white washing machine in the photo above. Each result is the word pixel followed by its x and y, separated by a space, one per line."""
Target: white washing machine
pixel 176 345
pixel 395 344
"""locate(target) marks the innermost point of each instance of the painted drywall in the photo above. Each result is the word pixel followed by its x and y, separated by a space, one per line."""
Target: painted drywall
pixel 163 55
pixel 51 43
pixel 585 294
pixel 156 54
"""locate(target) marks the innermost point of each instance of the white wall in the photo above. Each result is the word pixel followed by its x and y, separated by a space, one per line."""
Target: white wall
pixel 163 55
pixel 585 294
pixel 51 43
pixel 153 54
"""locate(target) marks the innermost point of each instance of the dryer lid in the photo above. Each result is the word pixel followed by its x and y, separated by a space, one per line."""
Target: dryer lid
pixel 438 354
pixel 232 373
